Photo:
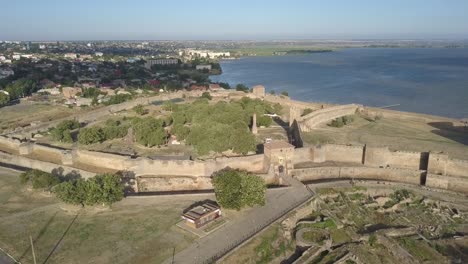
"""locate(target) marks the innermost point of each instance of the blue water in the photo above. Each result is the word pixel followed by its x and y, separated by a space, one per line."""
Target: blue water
pixel 432 81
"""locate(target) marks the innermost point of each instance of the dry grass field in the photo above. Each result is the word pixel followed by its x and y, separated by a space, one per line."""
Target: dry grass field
pixel 409 134
pixel 135 230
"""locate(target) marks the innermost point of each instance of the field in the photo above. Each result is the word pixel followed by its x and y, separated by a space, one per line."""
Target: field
pixel 135 230
pixel 409 134
pixel 23 114
pixel 270 49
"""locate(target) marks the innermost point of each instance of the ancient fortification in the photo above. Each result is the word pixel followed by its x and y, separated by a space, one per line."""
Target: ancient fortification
pixel 306 163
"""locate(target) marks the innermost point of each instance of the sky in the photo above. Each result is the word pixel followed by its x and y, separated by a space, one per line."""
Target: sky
pixel 43 20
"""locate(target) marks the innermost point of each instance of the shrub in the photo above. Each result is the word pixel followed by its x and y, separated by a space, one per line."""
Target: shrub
pixel 180 131
pixel 307 111
pixel 149 131
pixel 285 93
pixel 62 132
pixel 206 95
pixel 236 189
pixel 139 109
pixel 337 122
pixel 39 179
pixel 242 87
pixel 91 135
pixel 118 98
pixel 264 121
pixel 101 189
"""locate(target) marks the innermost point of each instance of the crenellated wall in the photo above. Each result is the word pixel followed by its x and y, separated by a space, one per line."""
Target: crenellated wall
pixel 440 163
pixel 383 157
pixel 337 153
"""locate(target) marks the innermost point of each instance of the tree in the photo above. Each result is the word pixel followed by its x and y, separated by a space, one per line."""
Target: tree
pixel 149 131
pixel 242 87
pixel 4 99
pixel 91 92
pixel 206 95
pixel 101 189
pixel 235 189
pixel 91 135
pixel 272 92
pixel 39 179
pixel 180 131
pixel 265 121
pixel 285 93
pixel 62 132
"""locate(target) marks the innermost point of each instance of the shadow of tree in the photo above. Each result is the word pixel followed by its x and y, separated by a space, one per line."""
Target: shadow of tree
pixel 448 130
pixel 73 175
pixel 39 235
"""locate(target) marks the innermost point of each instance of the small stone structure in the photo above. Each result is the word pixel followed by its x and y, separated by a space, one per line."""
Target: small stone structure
pixel 259 90
pixel 201 215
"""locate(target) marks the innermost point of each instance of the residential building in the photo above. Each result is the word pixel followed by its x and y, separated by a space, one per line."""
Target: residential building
pixel 99 54
pixel 150 63
pixel 203 67
pixel 70 55
pixel 71 92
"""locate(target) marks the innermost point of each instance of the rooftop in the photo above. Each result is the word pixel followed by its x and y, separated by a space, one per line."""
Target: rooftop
pixel 200 211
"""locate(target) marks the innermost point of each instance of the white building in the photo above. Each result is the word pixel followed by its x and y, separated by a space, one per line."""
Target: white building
pixel 203 67
pixel 70 55
pixel 99 54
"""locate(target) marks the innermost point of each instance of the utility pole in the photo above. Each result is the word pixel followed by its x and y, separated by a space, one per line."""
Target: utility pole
pixel 32 248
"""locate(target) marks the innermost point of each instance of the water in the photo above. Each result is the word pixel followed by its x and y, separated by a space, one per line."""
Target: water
pixel 432 81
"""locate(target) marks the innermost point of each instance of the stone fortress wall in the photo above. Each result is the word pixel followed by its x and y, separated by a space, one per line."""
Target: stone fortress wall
pixel 436 170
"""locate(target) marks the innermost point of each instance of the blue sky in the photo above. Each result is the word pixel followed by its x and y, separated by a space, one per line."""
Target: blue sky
pixel 225 20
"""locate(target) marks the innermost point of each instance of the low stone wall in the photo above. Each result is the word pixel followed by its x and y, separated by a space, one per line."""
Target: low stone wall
pixel 103 160
pixel 145 166
pixel 312 120
pixel 253 163
pixel 363 173
pixel 166 184
pixel 9 144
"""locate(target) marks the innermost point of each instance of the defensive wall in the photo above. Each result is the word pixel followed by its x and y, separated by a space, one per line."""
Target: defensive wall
pixel 312 120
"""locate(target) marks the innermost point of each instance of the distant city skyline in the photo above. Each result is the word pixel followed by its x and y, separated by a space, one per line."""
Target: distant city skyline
pixel 51 20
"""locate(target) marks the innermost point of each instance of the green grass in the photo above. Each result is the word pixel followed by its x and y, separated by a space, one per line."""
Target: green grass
pixel 266 251
pixel 420 250
pixel 339 236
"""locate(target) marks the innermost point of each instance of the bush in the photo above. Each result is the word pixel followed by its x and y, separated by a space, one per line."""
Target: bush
pixel 62 132
pixel 180 131
pixel 118 98
pixel 307 111
pixel 101 189
pixel 91 135
pixel 114 129
pixel 139 109
pixel 285 93
pixel 149 131
pixel 39 179
pixel 236 189
pixel 337 122
pixel 206 95
pixel 265 121
pixel 242 87
pixel 91 92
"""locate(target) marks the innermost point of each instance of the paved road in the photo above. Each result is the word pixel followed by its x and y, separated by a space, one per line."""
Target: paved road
pixel 277 202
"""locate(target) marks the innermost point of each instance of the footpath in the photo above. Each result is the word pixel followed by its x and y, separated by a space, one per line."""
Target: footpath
pixel 212 247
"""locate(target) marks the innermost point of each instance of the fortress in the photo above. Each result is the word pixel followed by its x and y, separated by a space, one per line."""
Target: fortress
pixel 306 163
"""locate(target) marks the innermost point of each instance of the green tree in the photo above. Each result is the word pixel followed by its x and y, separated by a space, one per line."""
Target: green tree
pixel 242 87
pixel 101 189
pixel 91 135
pixel 62 132
pixel 180 131
pixel 39 179
pixel 206 95
pixel 265 121
pixel 149 131
pixel 4 99
pixel 285 93
pixel 91 92
pixel 236 189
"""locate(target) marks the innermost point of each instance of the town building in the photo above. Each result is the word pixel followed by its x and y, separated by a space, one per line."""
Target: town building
pixel 203 67
pixel 202 214
pixel 70 56
pixel 150 63
pixel 70 92
pixel 99 54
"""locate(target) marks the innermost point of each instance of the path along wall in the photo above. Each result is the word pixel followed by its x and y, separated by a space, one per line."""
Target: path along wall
pixel 364 173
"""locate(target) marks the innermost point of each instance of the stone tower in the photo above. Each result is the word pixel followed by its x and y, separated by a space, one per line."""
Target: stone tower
pixel 254 124
pixel 294 114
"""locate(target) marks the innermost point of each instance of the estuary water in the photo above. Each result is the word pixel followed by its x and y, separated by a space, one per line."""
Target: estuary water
pixel 423 80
